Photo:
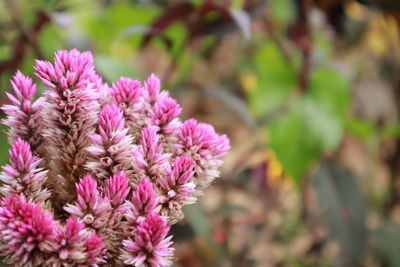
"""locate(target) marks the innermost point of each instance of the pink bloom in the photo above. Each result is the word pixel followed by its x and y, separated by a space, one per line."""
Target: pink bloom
pixel 149 246
pixel 144 201
pixel 77 246
pixel 93 209
pixel 111 149
pixel 140 165
pixel 165 111
pixel 23 113
pixel 69 113
pixel 149 154
pixel 200 142
pixel 23 174
pixel 152 89
pixel 27 232
pixel 127 91
pixel 177 188
pixel 117 188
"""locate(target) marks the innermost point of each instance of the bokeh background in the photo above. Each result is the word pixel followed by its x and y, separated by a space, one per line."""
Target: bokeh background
pixel 308 92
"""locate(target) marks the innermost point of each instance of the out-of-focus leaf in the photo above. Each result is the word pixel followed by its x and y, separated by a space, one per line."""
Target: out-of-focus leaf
pixel 342 208
pixel 282 10
pixel 300 136
pixel 361 128
pixel 386 244
pixel 50 40
pixel 112 68
pixel 106 26
pixel 314 123
pixel 4 145
pixel 275 80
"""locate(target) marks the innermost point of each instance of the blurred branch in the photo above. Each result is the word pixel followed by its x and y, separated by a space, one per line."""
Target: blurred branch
pixel 301 35
pixel 27 34
pixel 26 37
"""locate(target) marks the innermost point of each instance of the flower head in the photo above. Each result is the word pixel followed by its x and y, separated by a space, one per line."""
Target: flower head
pixel 200 142
pixel 23 174
pixel 114 165
pixel 92 208
pixel 78 246
pixel 117 188
pixel 27 232
pixel 23 114
pixel 150 246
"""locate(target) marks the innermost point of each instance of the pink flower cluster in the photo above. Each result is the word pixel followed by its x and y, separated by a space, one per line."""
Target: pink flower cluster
pixel 97 174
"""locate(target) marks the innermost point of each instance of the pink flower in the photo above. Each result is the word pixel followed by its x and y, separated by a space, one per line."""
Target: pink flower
pixel 117 189
pixel 152 89
pixel 138 162
pixel 27 232
pixel 144 201
pixel 127 93
pixel 149 154
pixel 93 209
pixel 111 149
pixel 23 174
pixel 23 115
pixel 69 114
pixel 177 188
pixel 200 142
pixel 149 246
pixel 77 246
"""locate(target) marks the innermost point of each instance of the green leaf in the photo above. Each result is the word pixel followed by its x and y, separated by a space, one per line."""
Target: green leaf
pixel 112 68
pixel 314 123
pixel 275 79
pixel 300 136
pixel 342 209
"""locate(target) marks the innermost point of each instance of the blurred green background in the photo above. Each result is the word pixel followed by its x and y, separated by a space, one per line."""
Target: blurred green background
pixel 308 92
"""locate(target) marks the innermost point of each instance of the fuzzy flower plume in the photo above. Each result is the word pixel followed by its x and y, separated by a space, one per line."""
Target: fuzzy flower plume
pixel 200 142
pixel 78 246
pixel 144 201
pixel 98 173
pixel 23 114
pixel 70 114
pixel 127 93
pixel 150 247
pixel 28 234
pixel 92 208
pixel 177 188
pixel 111 149
pixel 23 174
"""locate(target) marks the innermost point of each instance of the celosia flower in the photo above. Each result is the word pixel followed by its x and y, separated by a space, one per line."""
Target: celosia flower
pixel 23 116
pixel 151 94
pixel 164 115
pixel 127 93
pixel 149 155
pixel 117 188
pixel 200 142
pixel 27 232
pixel 149 247
pixel 177 189
pixel 23 174
pixel 93 209
pixel 111 149
pixel 77 246
pixel 69 114
pixel 140 165
pixel 144 201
